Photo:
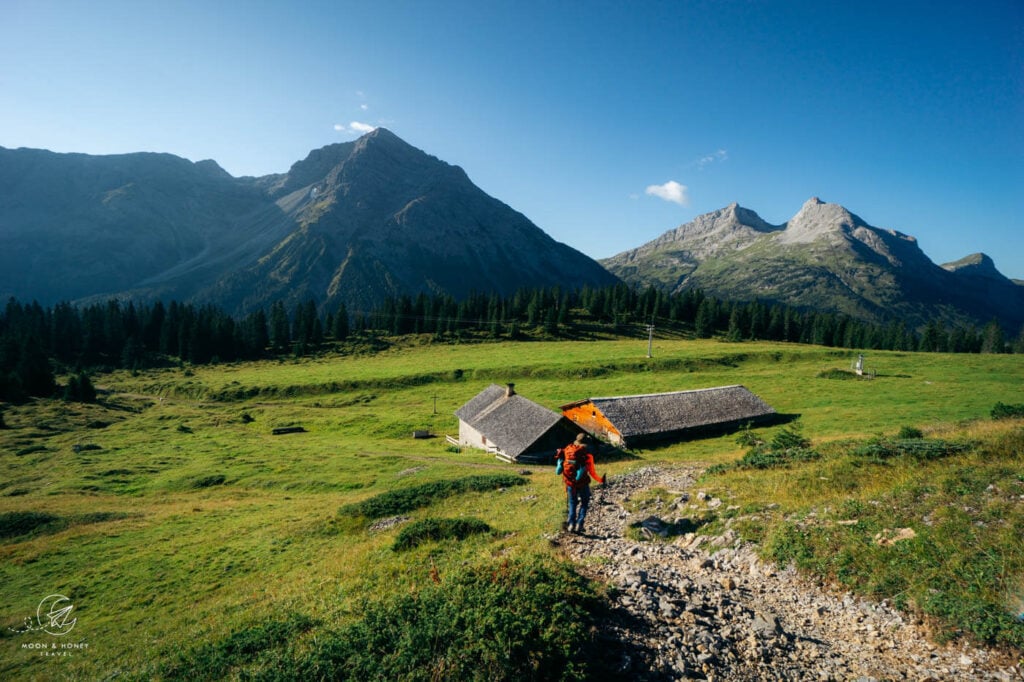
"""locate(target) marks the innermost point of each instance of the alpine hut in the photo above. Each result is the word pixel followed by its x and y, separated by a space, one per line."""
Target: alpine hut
pixel 629 420
pixel 514 428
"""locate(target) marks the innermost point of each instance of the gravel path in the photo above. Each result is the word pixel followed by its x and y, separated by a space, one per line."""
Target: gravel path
pixel 708 609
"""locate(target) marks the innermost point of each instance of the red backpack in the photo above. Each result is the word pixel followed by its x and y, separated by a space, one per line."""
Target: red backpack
pixel 575 460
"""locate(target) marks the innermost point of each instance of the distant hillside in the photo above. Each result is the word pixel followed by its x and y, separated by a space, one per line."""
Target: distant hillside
pixel 73 225
pixel 824 258
pixel 353 222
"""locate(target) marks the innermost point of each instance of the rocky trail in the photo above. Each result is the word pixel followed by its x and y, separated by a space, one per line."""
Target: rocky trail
pixel 708 608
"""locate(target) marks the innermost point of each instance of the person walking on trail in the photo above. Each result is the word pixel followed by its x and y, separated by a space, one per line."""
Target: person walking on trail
pixel 576 465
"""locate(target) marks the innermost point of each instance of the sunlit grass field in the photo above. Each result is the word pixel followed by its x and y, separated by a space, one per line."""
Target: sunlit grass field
pixel 176 517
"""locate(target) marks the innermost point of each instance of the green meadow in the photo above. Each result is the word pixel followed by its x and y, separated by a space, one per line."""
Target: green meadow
pixel 193 542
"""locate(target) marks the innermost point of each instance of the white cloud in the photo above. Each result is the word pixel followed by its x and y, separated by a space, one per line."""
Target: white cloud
pixel 364 107
pixel 355 128
pixel 670 191
pixel 720 155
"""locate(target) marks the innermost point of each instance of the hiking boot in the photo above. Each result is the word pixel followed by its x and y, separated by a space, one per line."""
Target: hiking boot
pixel 579 530
pixel 566 527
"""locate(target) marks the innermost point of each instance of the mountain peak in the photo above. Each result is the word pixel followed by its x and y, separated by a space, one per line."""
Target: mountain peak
pixel 975 265
pixel 817 219
pixel 377 136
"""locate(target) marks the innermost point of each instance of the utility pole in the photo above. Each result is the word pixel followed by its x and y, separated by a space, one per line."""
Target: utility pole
pixel 650 338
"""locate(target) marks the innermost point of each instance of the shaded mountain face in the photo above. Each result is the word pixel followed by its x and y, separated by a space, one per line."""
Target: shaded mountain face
pixel 73 225
pixel 378 217
pixel 352 223
pixel 824 258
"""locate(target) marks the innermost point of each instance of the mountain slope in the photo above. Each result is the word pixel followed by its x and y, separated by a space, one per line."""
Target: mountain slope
pixel 73 225
pixel 353 223
pixel 380 217
pixel 824 258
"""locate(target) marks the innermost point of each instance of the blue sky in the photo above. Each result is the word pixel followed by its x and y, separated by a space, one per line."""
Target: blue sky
pixel 606 123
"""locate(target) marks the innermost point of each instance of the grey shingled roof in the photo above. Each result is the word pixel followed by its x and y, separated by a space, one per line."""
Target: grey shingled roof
pixel 512 423
pixel 643 415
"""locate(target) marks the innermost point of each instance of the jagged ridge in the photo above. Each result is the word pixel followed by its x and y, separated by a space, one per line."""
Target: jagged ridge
pixel 824 258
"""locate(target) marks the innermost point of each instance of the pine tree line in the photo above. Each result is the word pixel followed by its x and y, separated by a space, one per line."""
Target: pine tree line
pixel 557 312
pixel 35 342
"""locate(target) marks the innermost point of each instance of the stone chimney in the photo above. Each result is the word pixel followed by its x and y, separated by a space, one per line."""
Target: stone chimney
pixel 510 390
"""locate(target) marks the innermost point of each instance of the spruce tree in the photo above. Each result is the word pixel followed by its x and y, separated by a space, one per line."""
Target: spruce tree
pixel 340 329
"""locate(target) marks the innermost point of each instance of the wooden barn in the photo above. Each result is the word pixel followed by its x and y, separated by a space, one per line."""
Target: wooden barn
pixel 514 428
pixel 633 419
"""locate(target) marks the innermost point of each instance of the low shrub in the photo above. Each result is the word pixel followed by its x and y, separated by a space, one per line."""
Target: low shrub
pixel 790 438
pixel 747 438
pixel 786 447
pixel 432 530
pixel 760 458
pixel 240 649
pixel 405 500
pixel 513 621
pixel 20 523
pixel 98 517
pixel 716 469
pixel 841 374
pixel 529 619
pixel 207 481
pixel 909 432
pixel 916 448
pixel 1004 411
pixel 25 524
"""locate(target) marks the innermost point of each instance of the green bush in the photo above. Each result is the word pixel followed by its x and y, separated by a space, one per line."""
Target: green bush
pixel 747 438
pixel 395 502
pixel 515 621
pixel 18 523
pixel 208 481
pixel 769 459
pixel 1004 411
pixel 916 448
pixel 786 447
pixel 518 620
pixel 790 438
pixel 716 469
pixel 841 374
pixel 432 530
pixel 909 432
pixel 240 649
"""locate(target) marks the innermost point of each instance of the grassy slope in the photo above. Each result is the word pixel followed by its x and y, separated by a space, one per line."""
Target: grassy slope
pixel 228 525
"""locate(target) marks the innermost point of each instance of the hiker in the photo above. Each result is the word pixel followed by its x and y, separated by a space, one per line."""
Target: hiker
pixel 576 465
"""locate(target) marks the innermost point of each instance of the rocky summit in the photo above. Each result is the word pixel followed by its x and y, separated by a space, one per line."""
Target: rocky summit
pixel 351 223
pixel 824 258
